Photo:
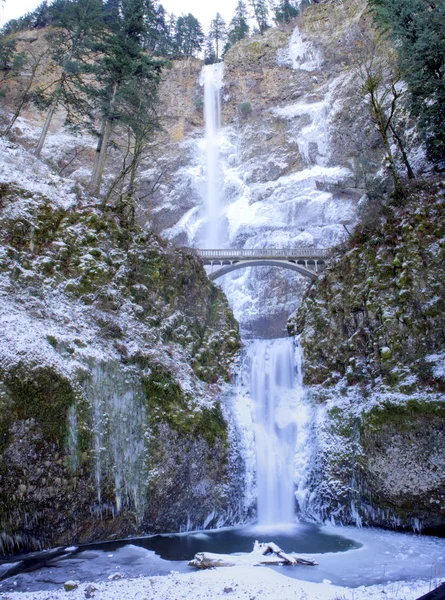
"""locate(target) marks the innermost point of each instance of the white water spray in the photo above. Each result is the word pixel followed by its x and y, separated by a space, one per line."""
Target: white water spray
pixel 211 79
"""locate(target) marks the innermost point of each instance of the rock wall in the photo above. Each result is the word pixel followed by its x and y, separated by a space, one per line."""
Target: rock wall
pixel 373 332
pixel 114 353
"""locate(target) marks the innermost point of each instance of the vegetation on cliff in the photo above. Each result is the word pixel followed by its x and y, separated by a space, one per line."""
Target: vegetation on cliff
pixel 373 332
pixel 114 347
pixel 375 316
pixel 417 29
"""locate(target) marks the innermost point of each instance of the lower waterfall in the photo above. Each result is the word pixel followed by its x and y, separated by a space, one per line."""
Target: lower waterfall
pixel 272 373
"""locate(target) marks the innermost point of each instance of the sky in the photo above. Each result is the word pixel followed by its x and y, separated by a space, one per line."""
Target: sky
pixel 203 10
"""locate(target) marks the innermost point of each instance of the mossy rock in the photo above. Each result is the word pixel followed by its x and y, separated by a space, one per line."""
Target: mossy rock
pixel 43 395
pixel 167 402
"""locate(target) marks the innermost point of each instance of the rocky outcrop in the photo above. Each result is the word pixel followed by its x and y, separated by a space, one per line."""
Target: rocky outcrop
pixel 380 303
pixel 372 329
pixel 113 354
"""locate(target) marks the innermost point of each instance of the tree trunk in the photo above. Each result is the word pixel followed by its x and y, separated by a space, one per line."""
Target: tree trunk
pixel 263 554
pixel 98 147
pixel 101 159
pixel 401 146
pixel 17 112
pixel 48 120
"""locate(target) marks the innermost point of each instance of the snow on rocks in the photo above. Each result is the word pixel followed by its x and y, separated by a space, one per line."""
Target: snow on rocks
pixel 237 583
pixel 19 167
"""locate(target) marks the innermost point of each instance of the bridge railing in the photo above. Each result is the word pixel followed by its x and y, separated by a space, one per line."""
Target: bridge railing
pixel 264 253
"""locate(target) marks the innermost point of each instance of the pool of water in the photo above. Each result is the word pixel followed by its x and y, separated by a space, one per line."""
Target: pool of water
pixel 305 539
pixel 346 555
pixel 157 555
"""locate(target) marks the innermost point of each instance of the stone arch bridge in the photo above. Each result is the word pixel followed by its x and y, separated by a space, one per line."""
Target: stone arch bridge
pixel 306 261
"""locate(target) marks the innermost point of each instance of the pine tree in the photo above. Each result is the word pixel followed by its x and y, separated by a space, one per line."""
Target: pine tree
pixel 238 26
pixel 209 52
pixel 284 12
pixel 111 11
pixel 217 33
pixel 11 61
pixel 138 120
pixel 189 36
pixel 26 77
pixel 157 38
pixel 418 29
pixel 77 21
pixel 261 14
pixel 122 67
pixel 41 15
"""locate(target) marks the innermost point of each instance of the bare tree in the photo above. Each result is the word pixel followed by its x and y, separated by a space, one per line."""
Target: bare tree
pixel 28 73
pixel 382 86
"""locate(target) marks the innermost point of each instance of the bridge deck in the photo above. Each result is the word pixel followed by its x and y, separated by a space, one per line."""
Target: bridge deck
pixel 264 253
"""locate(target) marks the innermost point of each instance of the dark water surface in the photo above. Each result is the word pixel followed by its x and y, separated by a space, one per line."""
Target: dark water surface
pixel 305 539
pixel 155 555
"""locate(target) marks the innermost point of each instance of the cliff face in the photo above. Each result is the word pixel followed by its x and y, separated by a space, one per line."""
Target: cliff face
pixel 114 348
pixel 373 333
pixel 297 148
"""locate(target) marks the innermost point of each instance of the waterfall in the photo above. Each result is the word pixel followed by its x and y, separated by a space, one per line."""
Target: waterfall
pixel 211 79
pixel 272 372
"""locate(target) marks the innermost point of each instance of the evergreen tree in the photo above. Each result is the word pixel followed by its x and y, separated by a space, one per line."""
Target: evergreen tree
pixel 11 61
pixel 111 11
pixel 170 35
pixel 189 36
pixel 238 26
pixel 261 14
pixel 77 21
pixel 157 36
pixel 209 52
pixel 418 29
pixel 41 15
pixel 217 34
pixel 284 12
pixel 138 120
pixel 121 69
pixel 25 77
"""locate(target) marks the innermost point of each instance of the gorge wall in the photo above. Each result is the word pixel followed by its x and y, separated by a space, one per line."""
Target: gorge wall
pixel 298 152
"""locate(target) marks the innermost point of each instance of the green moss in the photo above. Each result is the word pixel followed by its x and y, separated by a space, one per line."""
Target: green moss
pixel 5 416
pixel 43 395
pixel 166 402
pixel 343 424
pixel 245 108
pixel 402 415
pixel 52 340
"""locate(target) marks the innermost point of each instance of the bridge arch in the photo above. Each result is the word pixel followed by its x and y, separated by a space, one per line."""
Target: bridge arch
pixel 309 262
pixel 234 266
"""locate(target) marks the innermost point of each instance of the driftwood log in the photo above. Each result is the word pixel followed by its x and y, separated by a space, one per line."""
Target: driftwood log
pixel 266 553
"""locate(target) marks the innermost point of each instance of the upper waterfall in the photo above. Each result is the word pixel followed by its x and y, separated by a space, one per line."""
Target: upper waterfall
pixel 211 79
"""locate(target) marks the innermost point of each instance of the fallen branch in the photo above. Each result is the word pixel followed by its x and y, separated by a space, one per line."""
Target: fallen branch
pixel 266 553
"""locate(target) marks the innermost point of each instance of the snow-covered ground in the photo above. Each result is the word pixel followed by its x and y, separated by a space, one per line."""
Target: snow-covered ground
pixel 237 583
